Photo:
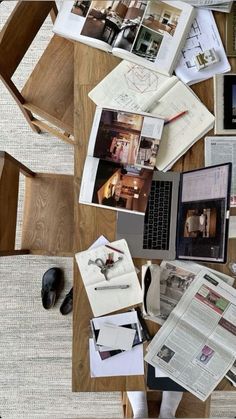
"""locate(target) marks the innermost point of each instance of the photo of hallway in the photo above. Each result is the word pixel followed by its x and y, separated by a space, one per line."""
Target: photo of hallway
pixel 118 136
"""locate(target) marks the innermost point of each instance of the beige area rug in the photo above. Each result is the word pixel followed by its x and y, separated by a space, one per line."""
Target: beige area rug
pixel 35 345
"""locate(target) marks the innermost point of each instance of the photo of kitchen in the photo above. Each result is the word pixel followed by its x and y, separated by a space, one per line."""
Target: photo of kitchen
pixel 122 187
pixel 81 7
pixel 118 136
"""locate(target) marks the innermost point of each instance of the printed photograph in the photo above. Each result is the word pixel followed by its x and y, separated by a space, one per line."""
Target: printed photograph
pixel 114 22
pixel 123 186
pixel 165 353
pixel 147 152
pixel 205 355
pixel 118 136
pixel 200 223
pixel 212 299
pixel 175 281
pixel 161 17
pixel 147 44
pixel 80 8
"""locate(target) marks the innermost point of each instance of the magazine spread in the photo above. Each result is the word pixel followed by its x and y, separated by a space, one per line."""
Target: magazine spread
pixel 150 33
pixel 196 346
pixel 176 276
pixel 122 152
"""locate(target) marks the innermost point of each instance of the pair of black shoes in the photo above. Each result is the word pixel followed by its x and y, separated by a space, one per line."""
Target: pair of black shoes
pixel 52 285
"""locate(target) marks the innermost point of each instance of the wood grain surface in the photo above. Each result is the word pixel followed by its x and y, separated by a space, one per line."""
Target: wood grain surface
pixel 91 65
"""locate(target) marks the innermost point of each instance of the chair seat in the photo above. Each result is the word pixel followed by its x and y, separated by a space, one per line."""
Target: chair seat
pixel 50 97
pixel 48 222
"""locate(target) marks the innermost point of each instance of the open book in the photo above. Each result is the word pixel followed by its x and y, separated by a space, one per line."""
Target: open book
pixel 122 152
pixel 150 33
pixel 135 87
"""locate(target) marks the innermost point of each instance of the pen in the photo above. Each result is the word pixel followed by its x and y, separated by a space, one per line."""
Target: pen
pixel 174 117
pixel 113 248
pixel 112 287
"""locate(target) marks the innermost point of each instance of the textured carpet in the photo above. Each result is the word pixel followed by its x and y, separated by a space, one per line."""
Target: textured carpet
pixel 35 345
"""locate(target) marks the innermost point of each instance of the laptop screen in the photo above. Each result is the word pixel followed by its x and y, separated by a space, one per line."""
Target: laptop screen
pixel 203 214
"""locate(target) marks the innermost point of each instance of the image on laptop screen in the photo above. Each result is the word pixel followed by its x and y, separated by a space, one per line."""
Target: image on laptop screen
pixel 203 214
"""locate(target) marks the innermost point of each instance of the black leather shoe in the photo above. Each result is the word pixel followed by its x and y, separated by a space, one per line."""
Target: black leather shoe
pixel 52 284
pixel 67 303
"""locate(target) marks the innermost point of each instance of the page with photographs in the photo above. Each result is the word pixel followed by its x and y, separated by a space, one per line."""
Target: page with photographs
pixel 203 216
pixel 115 186
pixel 88 22
pixel 125 137
pixel 231 374
pixel 196 346
pixel 176 277
pixel 153 32
pixel 225 103
pixel 222 150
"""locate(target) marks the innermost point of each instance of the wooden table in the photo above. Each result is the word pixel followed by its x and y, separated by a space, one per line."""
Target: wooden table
pixel 91 66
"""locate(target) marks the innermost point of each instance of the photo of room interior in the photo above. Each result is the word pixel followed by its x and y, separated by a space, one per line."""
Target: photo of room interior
pixel 161 17
pixel 147 152
pixel 114 22
pixel 147 43
pixel 122 187
pixel 118 136
pixel 200 223
pixel 80 7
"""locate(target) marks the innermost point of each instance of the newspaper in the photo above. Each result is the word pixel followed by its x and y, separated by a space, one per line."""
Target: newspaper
pixel 176 276
pixel 231 374
pixel 196 346
pixel 222 150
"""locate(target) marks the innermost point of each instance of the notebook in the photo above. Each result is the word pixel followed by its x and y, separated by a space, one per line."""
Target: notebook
pixel 186 218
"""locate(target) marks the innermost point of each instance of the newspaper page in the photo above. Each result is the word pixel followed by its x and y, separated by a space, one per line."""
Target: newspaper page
pixel 231 374
pixel 196 346
pixel 175 278
pixel 222 150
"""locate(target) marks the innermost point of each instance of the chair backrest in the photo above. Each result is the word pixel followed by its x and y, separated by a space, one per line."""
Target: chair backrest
pixel 19 31
pixel 9 186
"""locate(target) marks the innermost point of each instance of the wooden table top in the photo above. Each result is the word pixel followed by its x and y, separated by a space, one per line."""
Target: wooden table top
pixel 91 66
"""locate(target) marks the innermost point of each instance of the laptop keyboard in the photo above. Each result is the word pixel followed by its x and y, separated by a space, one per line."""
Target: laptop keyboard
pixel 157 216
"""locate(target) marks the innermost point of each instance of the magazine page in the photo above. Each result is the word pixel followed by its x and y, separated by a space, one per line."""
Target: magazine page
pixel 84 21
pixel 154 33
pixel 222 150
pixel 184 131
pixel 125 137
pixel 203 36
pixel 196 346
pixel 115 186
pixel 130 86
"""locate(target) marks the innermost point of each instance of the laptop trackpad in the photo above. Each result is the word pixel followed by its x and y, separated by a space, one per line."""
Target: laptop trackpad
pixel 129 224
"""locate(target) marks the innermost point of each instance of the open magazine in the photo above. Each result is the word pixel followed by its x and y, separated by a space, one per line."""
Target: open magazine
pixel 122 152
pixel 196 346
pixel 150 33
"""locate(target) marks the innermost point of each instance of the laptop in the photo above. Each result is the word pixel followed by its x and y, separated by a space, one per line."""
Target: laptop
pixel 187 217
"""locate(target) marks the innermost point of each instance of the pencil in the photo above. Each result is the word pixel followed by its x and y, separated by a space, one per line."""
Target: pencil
pixel 174 117
pixel 113 248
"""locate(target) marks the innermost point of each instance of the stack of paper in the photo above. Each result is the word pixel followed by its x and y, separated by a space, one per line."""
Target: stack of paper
pixel 119 335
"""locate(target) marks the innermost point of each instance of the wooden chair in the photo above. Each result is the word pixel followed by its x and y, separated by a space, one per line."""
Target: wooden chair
pixel 49 91
pixel 48 223
pixel 189 407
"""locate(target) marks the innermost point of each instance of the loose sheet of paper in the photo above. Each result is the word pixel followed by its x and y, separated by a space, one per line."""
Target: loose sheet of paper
pixel 203 36
pixel 116 337
pixel 126 363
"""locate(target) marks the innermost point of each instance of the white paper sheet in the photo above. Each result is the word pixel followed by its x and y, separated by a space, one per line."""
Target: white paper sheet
pixel 116 337
pixel 126 363
pixel 204 35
